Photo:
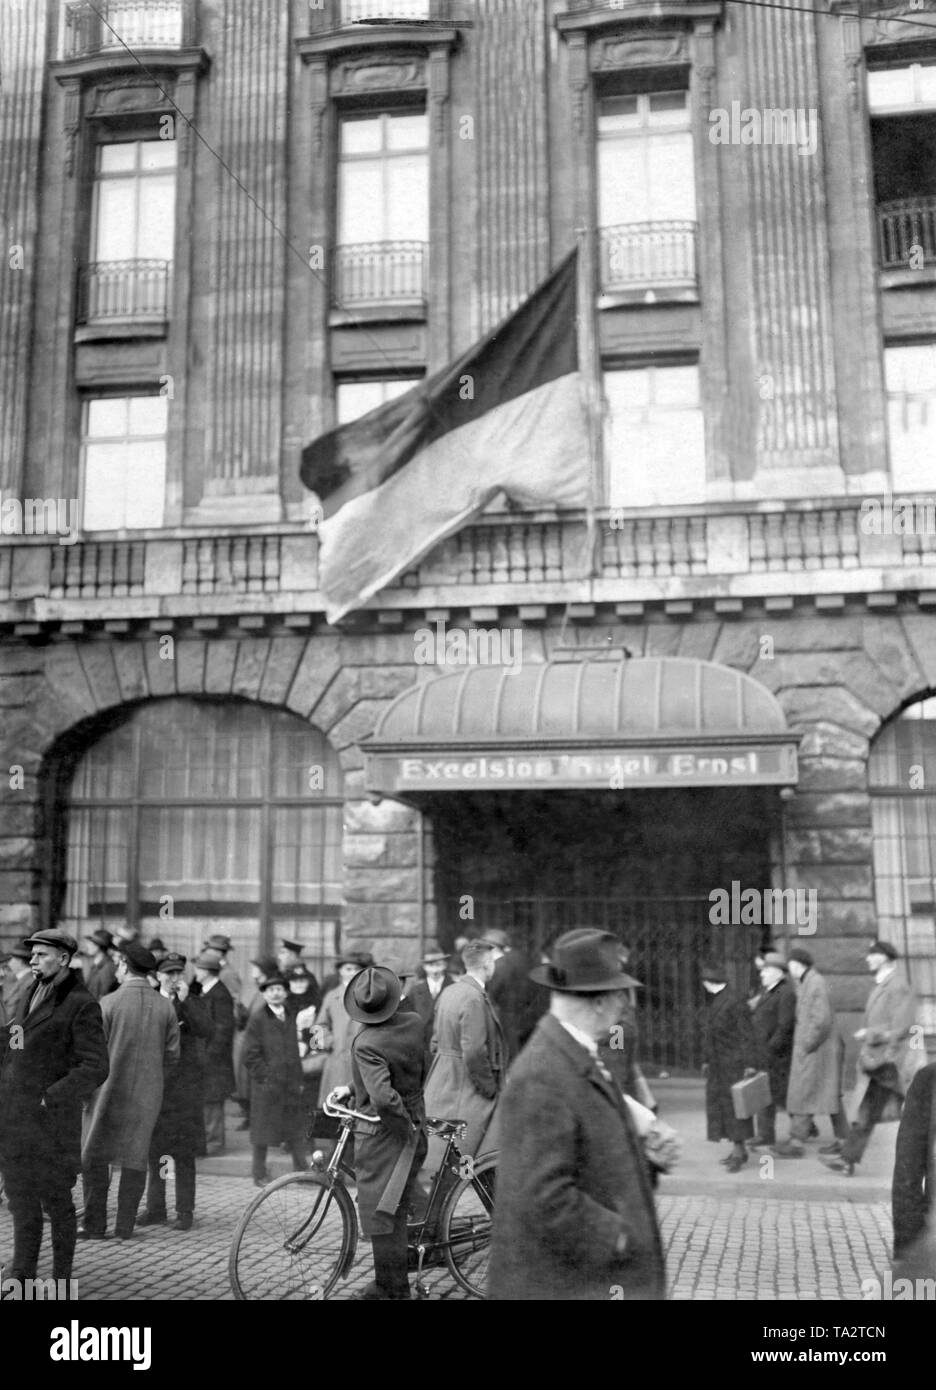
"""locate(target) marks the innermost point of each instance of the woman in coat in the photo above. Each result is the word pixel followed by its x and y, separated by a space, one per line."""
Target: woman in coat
pixel 913 1194
pixel 271 1056
pixel 730 1054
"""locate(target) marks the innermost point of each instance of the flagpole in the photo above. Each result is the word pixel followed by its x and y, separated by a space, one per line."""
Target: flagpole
pixel 589 358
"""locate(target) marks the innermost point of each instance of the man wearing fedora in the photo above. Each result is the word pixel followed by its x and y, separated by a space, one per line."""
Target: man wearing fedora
pixel 179 1134
pixel 143 1046
pixel 271 1056
pixel 888 1060
pixel 387 1069
pixel 53 1055
pixel 773 1014
pixel 227 974
pixel 574 1217
pixel 729 1053
pixel 220 1081
pixel 100 971
pixel 816 1064
pixel 422 995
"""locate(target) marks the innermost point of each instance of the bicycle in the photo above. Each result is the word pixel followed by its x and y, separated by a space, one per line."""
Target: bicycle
pixel 298 1237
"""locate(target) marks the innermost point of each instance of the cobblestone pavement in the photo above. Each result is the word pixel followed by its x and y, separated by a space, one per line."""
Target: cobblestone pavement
pixel 719 1247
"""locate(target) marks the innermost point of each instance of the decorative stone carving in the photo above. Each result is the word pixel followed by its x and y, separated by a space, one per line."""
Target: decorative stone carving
pixel 389 74
pixel 854 64
pixel 71 122
pixel 113 96
pixel 639 50
pixel 705 76
pixel 578 80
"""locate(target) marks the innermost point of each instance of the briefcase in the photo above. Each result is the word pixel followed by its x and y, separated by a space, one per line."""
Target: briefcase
pixel 750 1095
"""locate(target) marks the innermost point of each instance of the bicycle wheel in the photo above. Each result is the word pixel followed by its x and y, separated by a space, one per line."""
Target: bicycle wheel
pixel 295 1241
pixel 465 1226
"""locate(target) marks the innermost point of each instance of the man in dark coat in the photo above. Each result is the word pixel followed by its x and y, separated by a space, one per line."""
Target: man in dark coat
pixel 773 1016
pixel 574 1216
pixel 101 973
pixel 388 1069
pixel 518 1002
pixel 53 1056
pixel 913 1193
pixel 422 995
pixel 180 1129
pixel 219 1051
pixel 730 1054
pixel 271 1056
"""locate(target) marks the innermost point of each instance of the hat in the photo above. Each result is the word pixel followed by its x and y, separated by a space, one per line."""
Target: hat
pixel 373 995
pixel 102 937
pixel 362 959
pixel 713 972
pixel 496 937
pixel 266 965
pixel 209 960
pixel 584 961
pixel 128 933
pixel 291 946
pixel 774 958
pixel 55 936
pixel 296 972
pixel 882 948
pixel 800 955
pixel 272 980
pixel 218 943
pixel 139 957
pixel 432 953
pixel 172 961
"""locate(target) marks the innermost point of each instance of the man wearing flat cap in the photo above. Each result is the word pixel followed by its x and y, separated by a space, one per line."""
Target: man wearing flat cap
pixel 574 1217
pixel 143 1045
pixel 53 1055
pixel 387 1069
pixel 892 1052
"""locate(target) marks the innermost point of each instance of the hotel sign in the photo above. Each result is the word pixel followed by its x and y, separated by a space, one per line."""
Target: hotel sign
pixel 728 764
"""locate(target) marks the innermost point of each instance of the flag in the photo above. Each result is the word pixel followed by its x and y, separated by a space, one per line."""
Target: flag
pixel 510 415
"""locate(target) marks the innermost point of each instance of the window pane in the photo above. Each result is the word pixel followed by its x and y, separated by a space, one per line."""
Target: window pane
pixel 157 219
pixel 116 220
pixel 655 441
pixel 145 483
pixel 148 415
pixel 910 375
pixel 107 416
pixel 158 154
pixel 407 200
pixel 622 185
pixel 361 204
pixel 926 84
pixel 115 158
pixel 668 108
pixel 407 132
pixel 360 135
pixel 355 398
pixel 103 487
pixel 676 386
pixel 671 177
pixel 617 113
pixel 889 87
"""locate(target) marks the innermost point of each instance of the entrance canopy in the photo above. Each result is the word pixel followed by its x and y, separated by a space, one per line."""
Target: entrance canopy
pixel 586 723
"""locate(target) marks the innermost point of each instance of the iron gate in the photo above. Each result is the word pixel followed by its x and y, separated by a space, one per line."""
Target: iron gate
pixel 668 938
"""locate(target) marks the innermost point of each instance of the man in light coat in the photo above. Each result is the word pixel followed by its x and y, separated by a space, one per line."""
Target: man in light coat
pixel 574 1216
pixel 469 1056
pixel 888 1060
pixel 143 1045
pixel 816 1065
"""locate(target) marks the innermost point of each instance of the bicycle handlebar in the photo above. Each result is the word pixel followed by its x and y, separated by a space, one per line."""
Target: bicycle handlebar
pixel 342 1112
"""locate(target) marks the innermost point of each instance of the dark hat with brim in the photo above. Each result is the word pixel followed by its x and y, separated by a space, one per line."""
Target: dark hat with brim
pixel 209 960
pixel 102 937
pixel 798 954
pixel 291 946
pixel 373 995
pixel 882 948
pixel 54 936
pixel 264 985
pixel 433 954
pixel 774 958
pixel 584 961
pixel 218 942
pixel 139 957
pixel 496 937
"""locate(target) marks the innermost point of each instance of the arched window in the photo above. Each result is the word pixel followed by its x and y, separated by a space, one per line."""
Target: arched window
pixel 902 779
pixel 193 817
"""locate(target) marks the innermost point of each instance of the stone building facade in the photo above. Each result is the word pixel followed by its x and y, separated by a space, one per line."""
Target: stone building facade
pixel 794 309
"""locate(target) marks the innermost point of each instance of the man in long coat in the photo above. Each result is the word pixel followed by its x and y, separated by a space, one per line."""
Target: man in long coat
pixel 888 1060
pixel 773 1015
pixel 388 1068
pixel 729 1052
pixel 180 1130
pixel 816 1065
pixel 422 995
pixel 219 1053
pixel 271 1056
pixel 517 1001
pixel 53 1055
pixel 574 1217
pixel 469 1057
pixel 913 1192
pixel 143 1045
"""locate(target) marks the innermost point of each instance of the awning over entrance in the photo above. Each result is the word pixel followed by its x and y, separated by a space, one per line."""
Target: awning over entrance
pixel 587 723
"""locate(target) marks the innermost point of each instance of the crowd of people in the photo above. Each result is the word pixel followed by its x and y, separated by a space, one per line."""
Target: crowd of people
pixel 123 1054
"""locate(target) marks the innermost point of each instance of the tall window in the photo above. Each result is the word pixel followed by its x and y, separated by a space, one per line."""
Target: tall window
pixel 646 192
pixel 195 817
pixel 133 232
pixel 383 207
pixel 902 104
pixel 910 378
pixel 902 779
pixel 356 398
pixel 655 440
pixel 124 448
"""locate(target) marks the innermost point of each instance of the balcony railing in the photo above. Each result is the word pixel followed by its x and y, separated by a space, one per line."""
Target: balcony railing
pixel 648 256
pixel 112 24
pixel 360 11
pixel 380 272
pixel 905 228
pixel 723 552
pixel 135 291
